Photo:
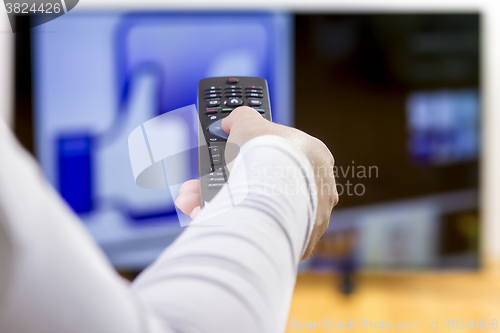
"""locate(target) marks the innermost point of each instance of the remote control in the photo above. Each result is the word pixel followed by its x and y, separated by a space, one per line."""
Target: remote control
pixel 217 97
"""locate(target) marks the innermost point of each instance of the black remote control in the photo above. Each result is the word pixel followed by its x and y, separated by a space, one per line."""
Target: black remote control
pixel 217 97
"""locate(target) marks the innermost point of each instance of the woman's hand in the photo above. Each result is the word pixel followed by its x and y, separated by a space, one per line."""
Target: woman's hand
pixel 244 124
pixel 189 198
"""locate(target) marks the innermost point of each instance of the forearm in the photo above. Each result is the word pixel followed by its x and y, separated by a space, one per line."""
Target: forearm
pixel 235 270
pixel 236 277
pixel 55 277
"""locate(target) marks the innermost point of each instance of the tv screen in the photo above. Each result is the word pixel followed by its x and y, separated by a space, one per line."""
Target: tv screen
pixel 99 75
pixel 396 97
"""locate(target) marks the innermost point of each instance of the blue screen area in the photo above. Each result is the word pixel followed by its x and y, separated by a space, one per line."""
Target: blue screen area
pixel 99 75
pixel 443 126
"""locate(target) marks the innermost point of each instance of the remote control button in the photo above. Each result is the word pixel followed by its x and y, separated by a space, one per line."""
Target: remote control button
pixel 217 145
pixel 253 91
pixel 215 185
pixel 212 110
pixel 233 80
pixel 214 180
pixel 226 91
pixel 212 117
pixel 216 177
pixel 214 102
pixel 254 87
pixel 212 92
pixel 234 102
pixel 216 129
pixel 254 95
pixel 232 87
pixel 216 161
pixel 213 96
pixel 260 110
pixel 216 156
pixel 227 110
pixel 227 95
pixel 213 88
pixel 254 102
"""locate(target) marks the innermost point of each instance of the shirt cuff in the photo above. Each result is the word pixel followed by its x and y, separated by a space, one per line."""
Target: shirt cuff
pixel 303 165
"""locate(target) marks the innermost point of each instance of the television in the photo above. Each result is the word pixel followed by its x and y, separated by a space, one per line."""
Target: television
pixel 99 75
pixel 396 97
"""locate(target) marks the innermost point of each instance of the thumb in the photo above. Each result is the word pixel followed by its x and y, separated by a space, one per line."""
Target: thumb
pixel 242 113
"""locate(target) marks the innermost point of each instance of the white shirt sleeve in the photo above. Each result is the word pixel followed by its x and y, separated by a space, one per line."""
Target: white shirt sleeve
pixel 232 271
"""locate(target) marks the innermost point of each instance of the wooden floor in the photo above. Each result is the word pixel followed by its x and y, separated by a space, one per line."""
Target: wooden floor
pixel 405 298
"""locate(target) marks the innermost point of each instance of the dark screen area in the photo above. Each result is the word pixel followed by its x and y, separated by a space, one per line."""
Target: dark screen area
pixel 23 115
pixel 354 74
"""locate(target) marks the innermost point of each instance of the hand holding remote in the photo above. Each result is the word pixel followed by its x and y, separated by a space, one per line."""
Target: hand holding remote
pixel 244 124
pixel 217 98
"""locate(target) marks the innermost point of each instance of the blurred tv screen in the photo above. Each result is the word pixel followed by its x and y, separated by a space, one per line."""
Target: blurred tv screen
pixel 396 97
pixel 99 75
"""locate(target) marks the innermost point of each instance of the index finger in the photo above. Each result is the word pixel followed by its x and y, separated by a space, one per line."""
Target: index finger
pixel 191 186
